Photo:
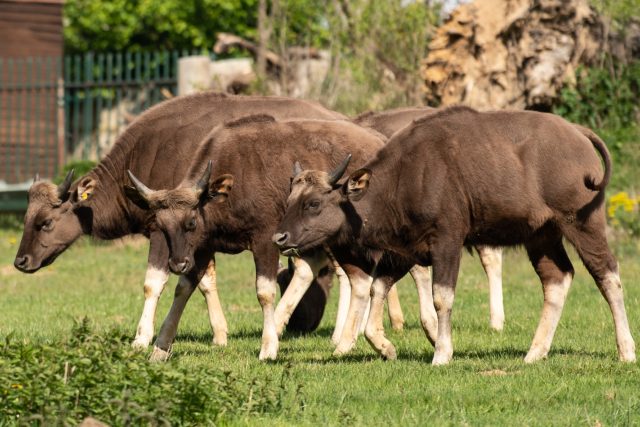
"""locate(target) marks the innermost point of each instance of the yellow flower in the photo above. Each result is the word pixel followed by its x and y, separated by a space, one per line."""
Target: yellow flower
pixel 12 240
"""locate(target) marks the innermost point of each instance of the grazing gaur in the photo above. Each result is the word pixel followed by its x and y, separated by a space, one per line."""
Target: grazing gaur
pixel 460 177
pixel 388 123
pixel 158 147
pixel 254 155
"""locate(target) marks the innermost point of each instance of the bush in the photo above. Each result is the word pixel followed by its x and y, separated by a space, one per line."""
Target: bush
pixel 103 377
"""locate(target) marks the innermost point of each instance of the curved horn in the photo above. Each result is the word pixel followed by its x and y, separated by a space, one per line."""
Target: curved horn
pixel 36 178
pixel 64 187
pixel 203 183
pixel 142 189
pixel 339 171
pixel 297 168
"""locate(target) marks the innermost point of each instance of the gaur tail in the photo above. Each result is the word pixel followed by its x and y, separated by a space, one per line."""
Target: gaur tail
pixel 600 146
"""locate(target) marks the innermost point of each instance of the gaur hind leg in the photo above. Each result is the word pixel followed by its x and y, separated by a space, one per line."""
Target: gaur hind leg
pixel 184 290
pixel 395 310
pixel 154 282
pixel 491 259
pixel 552 265
pixel 589 239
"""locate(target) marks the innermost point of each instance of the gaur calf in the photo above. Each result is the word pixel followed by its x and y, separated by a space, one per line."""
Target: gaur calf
pixel 389 122
pixel 460 177
pixel 158 147
pixel 239 199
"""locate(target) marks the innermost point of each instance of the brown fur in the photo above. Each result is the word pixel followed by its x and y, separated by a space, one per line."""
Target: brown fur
pixel 157 147
pixel 459 177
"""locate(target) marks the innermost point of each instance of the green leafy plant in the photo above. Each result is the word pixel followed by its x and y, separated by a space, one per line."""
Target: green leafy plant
pixel 100 375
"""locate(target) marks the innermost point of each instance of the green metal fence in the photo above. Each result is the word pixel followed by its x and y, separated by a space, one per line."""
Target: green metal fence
pixel 53 110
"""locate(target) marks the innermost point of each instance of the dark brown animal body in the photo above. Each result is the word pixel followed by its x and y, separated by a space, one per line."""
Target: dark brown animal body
pixel 239 204
pixel 391 121
pixel 158 147
pixel 461 177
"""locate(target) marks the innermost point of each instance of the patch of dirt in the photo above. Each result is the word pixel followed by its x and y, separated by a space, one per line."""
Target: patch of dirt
pixel 493 373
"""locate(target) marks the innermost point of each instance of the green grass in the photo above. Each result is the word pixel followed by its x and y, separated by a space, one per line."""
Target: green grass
pixel 487 383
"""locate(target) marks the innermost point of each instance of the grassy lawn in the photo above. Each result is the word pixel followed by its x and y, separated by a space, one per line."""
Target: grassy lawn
pixel 487 383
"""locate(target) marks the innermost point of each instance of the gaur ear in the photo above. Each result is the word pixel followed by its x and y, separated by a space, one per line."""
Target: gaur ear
pixel 357 184
pixel 85 189
pixel 133 195
pixel 220 188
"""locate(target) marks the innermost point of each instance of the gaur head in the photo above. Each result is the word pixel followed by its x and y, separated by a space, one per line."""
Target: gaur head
pixel 51 223
pixel 179 213
pixel 318 207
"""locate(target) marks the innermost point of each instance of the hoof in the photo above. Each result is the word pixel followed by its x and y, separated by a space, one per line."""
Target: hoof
pixel 441 358
pixel 389 353
pixel 497 324
pixel 220 340
pixel 535 354
pixel 140 343
pixel 628 357
pixel 342 349
pixel 268 352
pixel 159 355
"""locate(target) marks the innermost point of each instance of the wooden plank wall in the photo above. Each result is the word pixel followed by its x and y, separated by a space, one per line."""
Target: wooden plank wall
pixel 31 48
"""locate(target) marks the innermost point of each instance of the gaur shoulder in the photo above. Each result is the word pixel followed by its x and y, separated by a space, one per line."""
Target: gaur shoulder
pixel 253 118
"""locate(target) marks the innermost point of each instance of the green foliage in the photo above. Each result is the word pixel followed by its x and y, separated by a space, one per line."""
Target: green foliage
pixel 378 47
pixel 80 168
pixel 619 11
pixel 134 25
pixel 603 97
pixel 100 375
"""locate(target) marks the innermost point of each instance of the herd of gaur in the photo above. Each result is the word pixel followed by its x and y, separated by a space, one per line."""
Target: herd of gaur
pixel 371 198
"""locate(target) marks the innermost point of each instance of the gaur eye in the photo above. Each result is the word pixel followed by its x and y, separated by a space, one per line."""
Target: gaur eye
pixel 312 205
pixel 191 224
pixel 47 225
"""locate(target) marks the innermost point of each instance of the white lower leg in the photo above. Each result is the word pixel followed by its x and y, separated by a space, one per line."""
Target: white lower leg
pixel 395 310
pixel 343 303
pixel 555 295
pixel 491 259
pixel 169 328
pixel 428 316
pixel 300 282
pixel 154 282
pixel 365 316
pixel 375 329
pixel 360 288
pixel 266 291
pixel 443 296
pixel 209 287
pixel 611 289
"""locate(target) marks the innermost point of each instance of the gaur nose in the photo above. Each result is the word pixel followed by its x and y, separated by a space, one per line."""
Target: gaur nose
pixel 22 262
pixel 280 238
pixel 180 267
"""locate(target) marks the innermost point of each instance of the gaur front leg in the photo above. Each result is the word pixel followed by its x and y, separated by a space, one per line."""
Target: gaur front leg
pixel 491 259
pixel 446 263
pixel 306 269
pixel 208 285
pixel 154 282
pixel 265 256
pixel 184 290
pixel 360 290
pixel 428 316
pixel 343 302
